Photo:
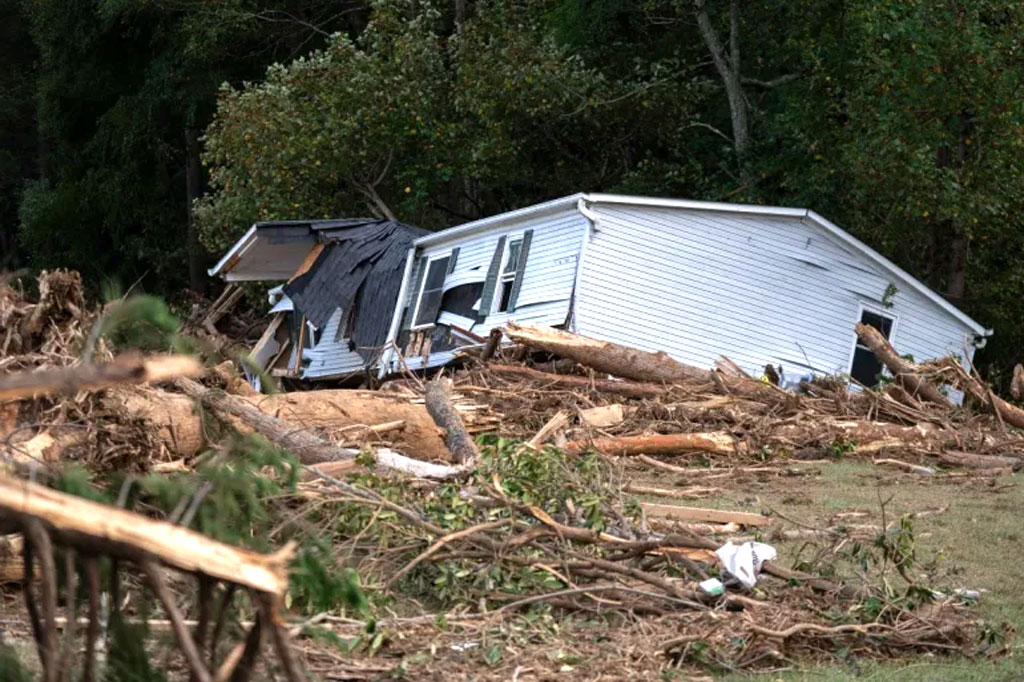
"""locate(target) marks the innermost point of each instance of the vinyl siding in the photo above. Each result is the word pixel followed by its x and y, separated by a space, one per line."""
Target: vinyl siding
pixel 550 267
pixel 330 358
pixel 699 284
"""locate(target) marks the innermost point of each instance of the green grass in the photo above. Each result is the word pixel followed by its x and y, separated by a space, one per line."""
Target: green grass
pixel 981 534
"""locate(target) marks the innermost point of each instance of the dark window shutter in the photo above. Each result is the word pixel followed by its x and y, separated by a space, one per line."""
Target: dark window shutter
pixel 414 293
pixel 452 260
pixel 487 297
pixel 524 252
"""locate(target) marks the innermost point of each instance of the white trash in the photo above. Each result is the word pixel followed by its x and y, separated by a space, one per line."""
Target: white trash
pixel 713 587
pixel 743 562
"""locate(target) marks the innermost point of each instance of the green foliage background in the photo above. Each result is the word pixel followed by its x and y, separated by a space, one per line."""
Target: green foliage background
pixel 903 121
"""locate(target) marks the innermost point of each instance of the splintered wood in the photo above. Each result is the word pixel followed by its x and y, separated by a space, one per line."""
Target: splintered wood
pixel 99 527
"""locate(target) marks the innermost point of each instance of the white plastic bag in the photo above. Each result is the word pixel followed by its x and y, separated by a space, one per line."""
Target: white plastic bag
pixel 744 561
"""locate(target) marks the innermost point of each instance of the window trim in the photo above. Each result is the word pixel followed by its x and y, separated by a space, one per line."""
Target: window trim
pixel 500 284
pixel 876 310
pixel 423 285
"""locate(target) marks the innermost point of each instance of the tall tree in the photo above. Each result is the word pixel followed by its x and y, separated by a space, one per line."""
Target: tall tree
pixel 125 87
pixel 18 142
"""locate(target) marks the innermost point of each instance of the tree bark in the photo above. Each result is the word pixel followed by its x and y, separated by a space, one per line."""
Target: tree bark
pixel 307 446
pixel 637 365
pixel 610 358
pixel 628 389
pixel 439 404
pixel 956 285
pixel 970 460
pixel 197 256
pixel 348 416
pixel 729 70
pixel 905 373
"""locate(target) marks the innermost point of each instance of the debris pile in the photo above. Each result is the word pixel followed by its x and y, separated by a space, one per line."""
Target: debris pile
pixel 475 507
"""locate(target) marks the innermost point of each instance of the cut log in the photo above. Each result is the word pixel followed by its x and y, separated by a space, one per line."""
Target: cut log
pixel 970 460
pixel 664 444
pixel 307 446
pixel 629 389
pixel 610 358
pixel 172 417
pixel 438 398
pixel 906 373
pixel 128 369
pixel 94 527
pixel 670 511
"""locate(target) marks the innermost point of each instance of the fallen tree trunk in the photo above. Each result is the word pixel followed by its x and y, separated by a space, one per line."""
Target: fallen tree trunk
pixel 438 398
pixel 664 444
pixel 129 369
pixel 95 527
pixel 970 460
pixel 308 447
pixel 1011 414
pixel 629 389
pixel 634 364
pixel 868 435
pixel 171 416
pixel 906 373
pixel 338 415
pixel 610 358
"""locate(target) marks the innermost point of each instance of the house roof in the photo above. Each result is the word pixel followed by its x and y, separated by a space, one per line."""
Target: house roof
pixel 806 215
pixel 273 250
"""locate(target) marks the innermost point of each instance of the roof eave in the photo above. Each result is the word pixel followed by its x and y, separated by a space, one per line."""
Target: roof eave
pixel 485 223
pixel 899 272
pixel 236 249
pixel 658 202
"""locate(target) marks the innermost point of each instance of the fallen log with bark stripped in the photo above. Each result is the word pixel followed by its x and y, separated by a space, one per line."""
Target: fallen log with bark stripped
pixel 303 443
pixel 664 444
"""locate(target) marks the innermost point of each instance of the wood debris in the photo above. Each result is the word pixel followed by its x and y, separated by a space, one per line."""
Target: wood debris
pixel 540 511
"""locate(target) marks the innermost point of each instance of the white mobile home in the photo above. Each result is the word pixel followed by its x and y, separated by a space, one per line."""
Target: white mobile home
pixel 761 285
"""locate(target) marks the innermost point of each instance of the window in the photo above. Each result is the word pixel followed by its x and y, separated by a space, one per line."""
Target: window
pixel 507 276
pixel 865 367
pixel 429 300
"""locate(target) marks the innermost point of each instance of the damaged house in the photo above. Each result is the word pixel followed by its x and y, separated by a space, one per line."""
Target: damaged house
pixel 761 285
pixel 331 316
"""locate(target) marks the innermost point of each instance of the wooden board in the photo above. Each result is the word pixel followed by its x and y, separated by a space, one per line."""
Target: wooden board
pixel 671 511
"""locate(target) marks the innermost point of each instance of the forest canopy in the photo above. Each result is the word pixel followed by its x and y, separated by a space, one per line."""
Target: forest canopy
pixel 141 138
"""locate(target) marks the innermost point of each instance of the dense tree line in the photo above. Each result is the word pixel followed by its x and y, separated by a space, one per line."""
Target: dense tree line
pixel 903 121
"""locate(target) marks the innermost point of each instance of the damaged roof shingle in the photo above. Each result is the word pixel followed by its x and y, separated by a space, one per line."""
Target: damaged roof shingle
pixel 361 264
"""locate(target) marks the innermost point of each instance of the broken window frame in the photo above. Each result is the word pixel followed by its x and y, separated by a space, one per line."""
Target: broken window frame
pixel 856 346
pixel 446 257
pixel 506 278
